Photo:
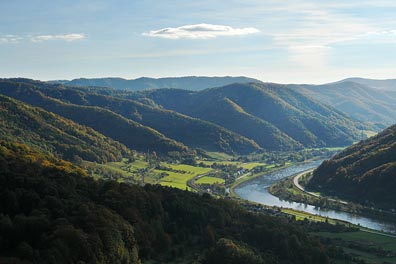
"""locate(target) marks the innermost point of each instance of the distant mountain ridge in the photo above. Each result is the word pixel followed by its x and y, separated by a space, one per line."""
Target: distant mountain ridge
pixel 359 101
pixel 144 83
pixel 387 84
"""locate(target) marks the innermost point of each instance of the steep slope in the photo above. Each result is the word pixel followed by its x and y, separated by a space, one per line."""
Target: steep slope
pixel 228 114
pixel 358 101
pixel 128 132
pixel 192 132
pixel 51 213
pixel 187 83
pixel 54 134
pixel 364 173
pixel 283 114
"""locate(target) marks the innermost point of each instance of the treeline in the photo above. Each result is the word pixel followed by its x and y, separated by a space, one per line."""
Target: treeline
pixel 56 135
pixel 50 212
pixel 363 173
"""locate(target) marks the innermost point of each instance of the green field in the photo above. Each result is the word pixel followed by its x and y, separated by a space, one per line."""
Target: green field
pixel 209 180
pixel 138 164
pixel 246 166
pixel 210 163
pixel 251 165
pixel 365 245
pixel 167 174
pixel 302 215
pixel 188 168
pixel 177 175
pixel 179 180
pixel 219 155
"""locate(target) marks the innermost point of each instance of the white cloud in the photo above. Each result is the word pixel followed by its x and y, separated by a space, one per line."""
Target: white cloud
pixel 6 39
pixel 200 31
pixel 316 29
pixel 66 37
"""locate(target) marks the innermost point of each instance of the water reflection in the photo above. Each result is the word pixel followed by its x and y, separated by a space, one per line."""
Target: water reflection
pixel 256 191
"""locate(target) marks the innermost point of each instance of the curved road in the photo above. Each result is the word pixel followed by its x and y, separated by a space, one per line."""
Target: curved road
pixel 298 185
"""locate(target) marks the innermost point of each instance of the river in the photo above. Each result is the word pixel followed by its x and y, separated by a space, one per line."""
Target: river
pixel 256 190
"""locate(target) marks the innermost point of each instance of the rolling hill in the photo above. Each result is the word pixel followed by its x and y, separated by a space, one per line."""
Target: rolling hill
pixel 237 118
pixel 367 100
pixel 359 101
pixel 115 113
pixel 54 134
pixel 363 173
pixel 271 114
pixel 130 133
pixel 192 132
pixel 144 83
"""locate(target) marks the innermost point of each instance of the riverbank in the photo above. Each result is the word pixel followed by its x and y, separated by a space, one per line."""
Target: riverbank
pixel 256 190
pixel 246 178
pixel 290 189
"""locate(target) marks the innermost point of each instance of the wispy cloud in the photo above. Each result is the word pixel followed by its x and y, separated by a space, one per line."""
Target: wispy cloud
pixel 13 39
pixel 9 39
pixel 65 37
pixel 200 31
pixel 316 30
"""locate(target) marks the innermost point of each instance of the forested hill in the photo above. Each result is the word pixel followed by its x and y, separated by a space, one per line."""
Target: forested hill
pixel 134 124
pixel 51 213
pixel 193 132
pixel 236 119
pixel 188 83
pixel 270 114
pixel 364 173
pixel 359 101
pixel 54 134
pixel 130 133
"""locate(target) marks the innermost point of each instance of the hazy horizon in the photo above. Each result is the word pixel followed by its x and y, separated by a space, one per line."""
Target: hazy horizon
pixel 295 41
pixel 184 76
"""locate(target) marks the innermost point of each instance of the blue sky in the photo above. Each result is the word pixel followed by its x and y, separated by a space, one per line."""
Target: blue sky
pixel 296 41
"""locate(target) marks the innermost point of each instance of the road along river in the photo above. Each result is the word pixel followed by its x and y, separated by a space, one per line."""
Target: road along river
pixel 256 190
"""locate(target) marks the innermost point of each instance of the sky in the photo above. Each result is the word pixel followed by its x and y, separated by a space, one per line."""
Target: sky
pixel 290 41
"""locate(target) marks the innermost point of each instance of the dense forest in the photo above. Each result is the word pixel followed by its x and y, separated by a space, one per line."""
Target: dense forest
pixel 236 119
pixel 287 118
pixel 54 134
pixel 50 212
pixel 136 125
pixel 363 173
pixel 202 134
pixel 126 131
